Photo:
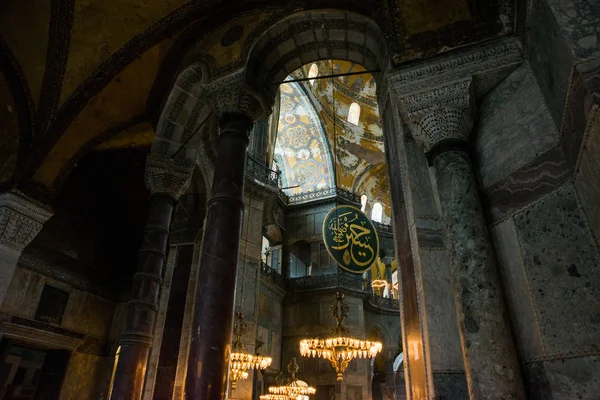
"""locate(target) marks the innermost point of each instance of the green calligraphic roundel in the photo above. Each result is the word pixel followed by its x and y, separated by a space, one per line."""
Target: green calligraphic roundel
pixel 350 238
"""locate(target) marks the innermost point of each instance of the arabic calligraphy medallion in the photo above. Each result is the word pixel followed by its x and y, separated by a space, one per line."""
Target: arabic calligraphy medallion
pixel 350 238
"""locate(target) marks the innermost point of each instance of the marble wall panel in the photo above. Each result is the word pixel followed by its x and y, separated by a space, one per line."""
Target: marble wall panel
pixel 450 386
pixel 420 183
pixel 264 307
pixel 88 314
pixel 587 181
pixel 430 233
pixel 549 56
pixel 514 127
pixel 354 392
pixel 80 381
pixel 579 22
pixel 528 184
pixel 517 294
pixel 118 323
pixel 84 313
pixel 23 294
pixel 561 261
pixel 581 107
pixel 441 332
pixel 276 351
pixel 563 379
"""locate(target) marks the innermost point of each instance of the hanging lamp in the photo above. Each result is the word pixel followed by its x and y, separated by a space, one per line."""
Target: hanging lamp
pixel 352 241
pixel 295 388
pixel 239 360
pixel 339 348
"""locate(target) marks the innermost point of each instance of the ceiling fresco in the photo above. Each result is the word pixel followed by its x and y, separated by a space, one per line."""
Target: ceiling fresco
pixel 76 67
pixel 28 41
pixel 359 151
pixel 301 150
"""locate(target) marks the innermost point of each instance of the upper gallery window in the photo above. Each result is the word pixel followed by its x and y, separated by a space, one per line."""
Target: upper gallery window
pixel 363 202
pixel 354 113
pixel 312 73
pixel 377 212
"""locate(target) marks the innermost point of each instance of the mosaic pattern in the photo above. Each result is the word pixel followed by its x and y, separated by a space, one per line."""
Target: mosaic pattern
pixel 301 150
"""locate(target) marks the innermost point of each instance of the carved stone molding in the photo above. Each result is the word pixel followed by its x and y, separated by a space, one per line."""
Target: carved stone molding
pixel 481 60
pixel 441 113
pixel 21 218
pixel 487 64
pixel 34 333
pixel 164 175
pixel 232 94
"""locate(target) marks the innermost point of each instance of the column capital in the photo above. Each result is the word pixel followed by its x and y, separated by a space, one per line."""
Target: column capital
pixel 232 94
pixel 387 261
pixel 441 113
pixel 21 219
pixel 164 175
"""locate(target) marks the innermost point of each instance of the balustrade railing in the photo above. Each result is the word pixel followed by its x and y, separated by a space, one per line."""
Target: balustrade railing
pixel 325 281
pixel 272 274
pixel 258 171
pixel 384 302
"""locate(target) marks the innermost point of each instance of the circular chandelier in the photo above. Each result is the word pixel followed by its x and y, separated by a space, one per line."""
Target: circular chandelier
pixel 378 283
pixel 339 349
pixel 295 389
pixel 239 360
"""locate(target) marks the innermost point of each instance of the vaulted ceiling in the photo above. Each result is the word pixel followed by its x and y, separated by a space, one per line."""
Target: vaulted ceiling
pixel 83 75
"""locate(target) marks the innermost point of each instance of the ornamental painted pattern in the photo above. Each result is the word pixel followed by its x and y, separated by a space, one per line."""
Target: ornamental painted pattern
pixel 301 150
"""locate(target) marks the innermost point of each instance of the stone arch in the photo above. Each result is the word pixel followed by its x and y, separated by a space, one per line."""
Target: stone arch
pixel 309 36
pixel 188 220
pixel 287 45
pixel 185 112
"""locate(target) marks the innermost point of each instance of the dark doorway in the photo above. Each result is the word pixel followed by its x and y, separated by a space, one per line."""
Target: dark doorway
pixel 29 373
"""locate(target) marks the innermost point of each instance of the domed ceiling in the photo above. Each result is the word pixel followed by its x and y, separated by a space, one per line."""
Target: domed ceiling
pixel 301 150
pixel 314 134
pixel 76 74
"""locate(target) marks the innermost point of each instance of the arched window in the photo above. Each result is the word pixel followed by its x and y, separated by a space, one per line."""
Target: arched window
pixel 313 72
pixel 377 212
pixel 354 113
pixel 363 202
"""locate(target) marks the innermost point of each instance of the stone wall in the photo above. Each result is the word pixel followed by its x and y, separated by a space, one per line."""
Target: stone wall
pixel 541 191
pixel 549 261
pixel 248 283
pixel 445 377
pixel 306 314
pixel 86 321
pixel 270 314
pixel 304 224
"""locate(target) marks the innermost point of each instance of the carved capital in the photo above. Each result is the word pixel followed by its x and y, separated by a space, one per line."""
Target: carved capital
pixel 164 175
pixel 233 95
pixel 441 113
pixel 388 260
pixel 21 218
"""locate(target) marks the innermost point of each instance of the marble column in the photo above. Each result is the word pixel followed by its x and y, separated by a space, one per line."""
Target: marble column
pixel 21 219
pixel 387 261
pixel 237 106
pixel 441 120
pixel 166 180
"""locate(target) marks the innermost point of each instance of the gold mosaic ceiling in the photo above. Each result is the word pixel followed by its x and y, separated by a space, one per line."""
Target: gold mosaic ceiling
pixel 78 73
pixel 309 110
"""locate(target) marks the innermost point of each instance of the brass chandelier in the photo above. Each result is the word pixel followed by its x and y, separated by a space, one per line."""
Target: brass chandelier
pixel 295 388
pixel 339 348
pixel 239 360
